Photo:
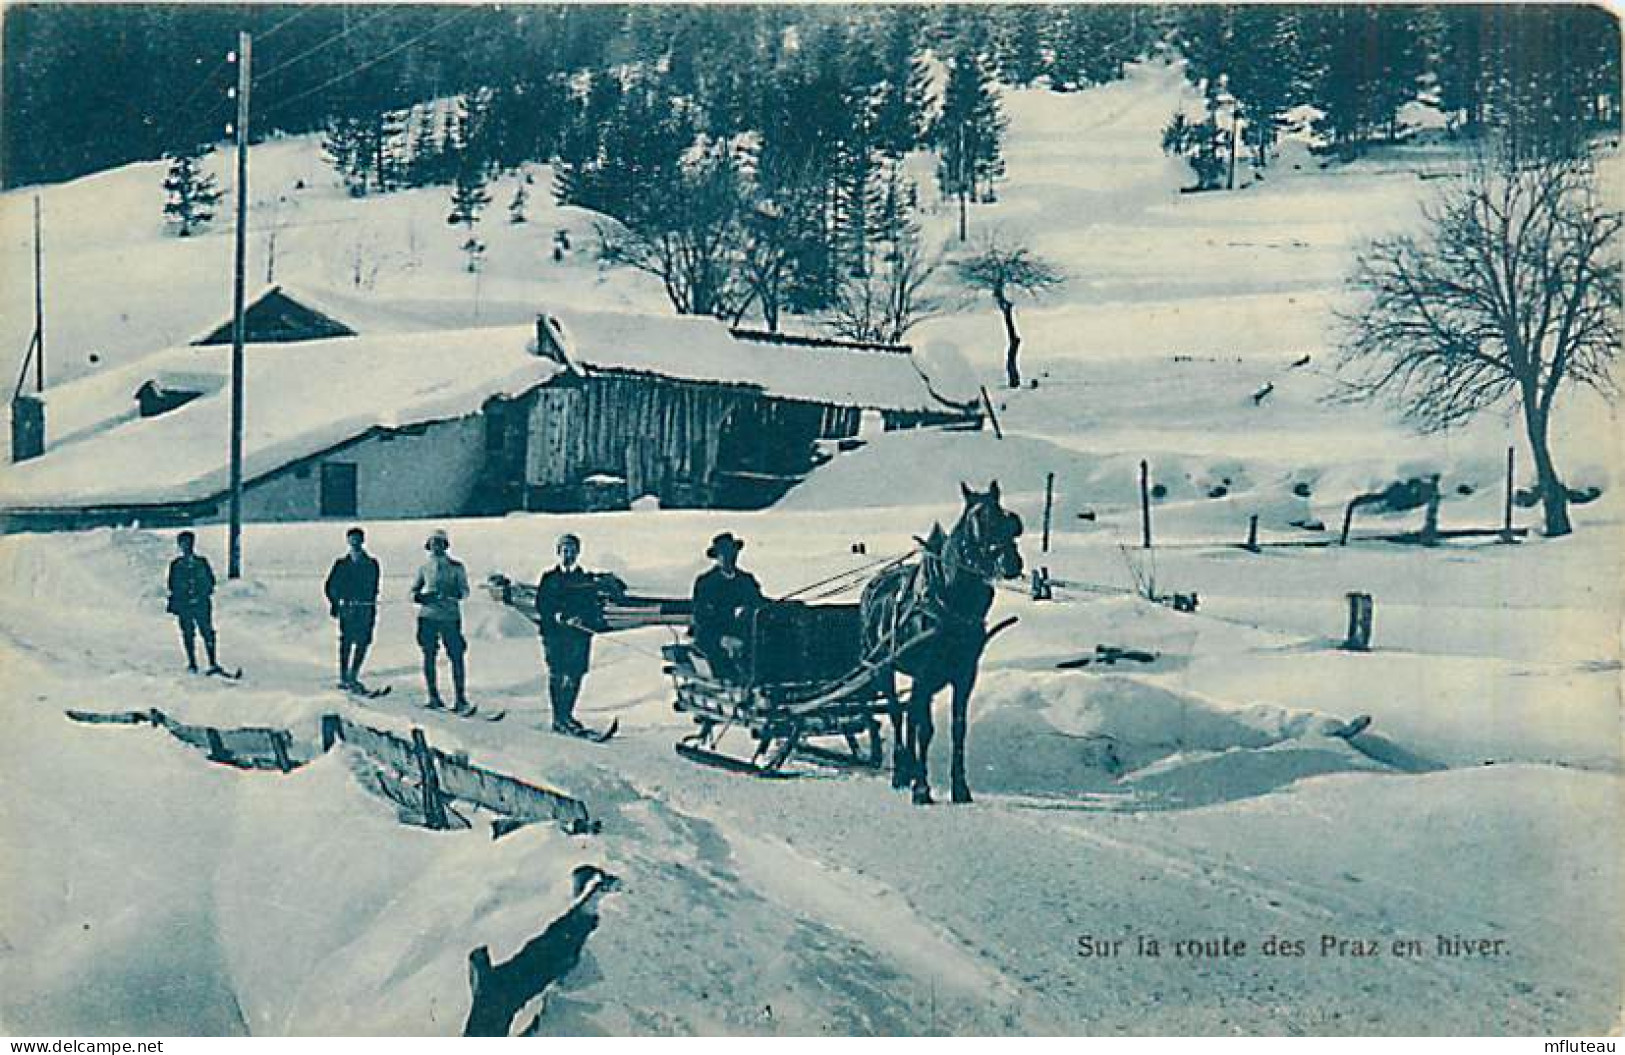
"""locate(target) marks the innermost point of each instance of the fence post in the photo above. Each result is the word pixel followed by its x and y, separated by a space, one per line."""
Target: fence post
pixel 1252 533
pixel 1049 505
pixel 1145 505
pixel 279 747
pixel 1430 518
pixel 1359 634
pixel 217 746
pixel 434 811
pixel 332 731
pixel 987 401
pixel 1506 520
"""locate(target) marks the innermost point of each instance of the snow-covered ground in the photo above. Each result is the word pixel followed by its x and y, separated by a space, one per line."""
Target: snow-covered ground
pixel 1198 796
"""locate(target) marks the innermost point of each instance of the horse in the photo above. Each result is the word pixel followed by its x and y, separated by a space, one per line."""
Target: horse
pixel 928 619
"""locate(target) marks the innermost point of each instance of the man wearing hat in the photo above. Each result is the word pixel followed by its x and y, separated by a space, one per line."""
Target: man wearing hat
pixel 352 599
pixel 438 591
pixel 570 609
pixel 724 598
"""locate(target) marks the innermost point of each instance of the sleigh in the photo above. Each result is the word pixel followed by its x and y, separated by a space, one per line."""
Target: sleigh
pixel 802 688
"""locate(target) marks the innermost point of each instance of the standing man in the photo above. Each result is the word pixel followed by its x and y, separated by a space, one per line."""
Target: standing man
pixel 724 598
pixel 352 599
pixel 438 591
pixel 570 605
pixel 191 593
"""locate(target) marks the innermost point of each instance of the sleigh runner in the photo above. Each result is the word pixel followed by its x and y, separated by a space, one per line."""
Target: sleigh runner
pixel 802 679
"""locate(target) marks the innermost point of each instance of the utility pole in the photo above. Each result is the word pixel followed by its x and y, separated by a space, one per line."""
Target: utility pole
pixel 39 302
pixel 1235 122
pixel 234 560
pixel 964 175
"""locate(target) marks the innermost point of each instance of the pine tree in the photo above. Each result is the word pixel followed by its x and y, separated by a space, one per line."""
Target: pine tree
pixel 1264 74
pixel 969 134
pixel 900 116
pixel 1020 40
pixel 342 145
pixel 426 164
pixel 192 193
pixel 469 195
pixel 517 205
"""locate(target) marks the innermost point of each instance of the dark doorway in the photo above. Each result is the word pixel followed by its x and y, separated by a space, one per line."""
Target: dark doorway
pixel 339 489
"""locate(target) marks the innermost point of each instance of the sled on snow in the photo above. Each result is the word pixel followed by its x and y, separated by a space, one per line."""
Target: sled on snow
pixel 800 680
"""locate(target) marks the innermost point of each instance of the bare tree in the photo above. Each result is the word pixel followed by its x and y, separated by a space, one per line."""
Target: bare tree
pixel 889 297
pixel 1510 293
pixel 1003 268
pixel 687 234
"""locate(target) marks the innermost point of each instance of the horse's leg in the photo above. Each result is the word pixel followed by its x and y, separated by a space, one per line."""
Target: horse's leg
pixel 921 730
pixel 900 749
pixel 961 705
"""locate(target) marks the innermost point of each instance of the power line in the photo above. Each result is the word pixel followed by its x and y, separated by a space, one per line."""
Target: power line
pixel 437 27
pixel 301 13
pixel 335 38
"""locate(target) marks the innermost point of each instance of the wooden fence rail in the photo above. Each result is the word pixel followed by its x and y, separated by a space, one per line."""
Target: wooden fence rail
pixel 251 747
pixel 444 776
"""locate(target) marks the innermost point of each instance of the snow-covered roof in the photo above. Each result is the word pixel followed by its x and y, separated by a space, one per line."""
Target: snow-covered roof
pixel 703 349
pixel 302 398
pixel 299 399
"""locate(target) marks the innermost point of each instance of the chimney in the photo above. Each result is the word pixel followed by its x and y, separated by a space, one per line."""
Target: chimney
pixel 548 340
pixel 27 427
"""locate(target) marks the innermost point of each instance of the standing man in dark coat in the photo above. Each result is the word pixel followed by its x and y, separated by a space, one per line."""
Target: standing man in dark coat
pixel 352 599
pixel 570 607
pixel 724 598
pixel 191 593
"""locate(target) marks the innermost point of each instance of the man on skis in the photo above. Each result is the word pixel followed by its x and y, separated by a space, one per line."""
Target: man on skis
pixel 438 590
pixel 191 592
pixel 352 599
pixel 570 607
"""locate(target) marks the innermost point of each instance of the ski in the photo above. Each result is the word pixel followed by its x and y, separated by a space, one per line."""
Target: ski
pixel 470 713
pixel 596 736
pixel 222 672
pixel 1353 728
pixel 369 694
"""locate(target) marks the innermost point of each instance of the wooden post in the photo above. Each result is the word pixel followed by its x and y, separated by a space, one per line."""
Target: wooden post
pixel 1348 522
pixel 434 810
pixel 332 731
pixel 1506 519
pixel 1430 518
pixel 1145 505
pixel 998 433
pixel 1049 505
pixel 1252 533
pixel 234 533
pixel 39 302
pixel 280 739
pixel 1359 633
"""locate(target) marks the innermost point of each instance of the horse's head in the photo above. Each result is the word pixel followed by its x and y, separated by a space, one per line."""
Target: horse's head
pixel 988 533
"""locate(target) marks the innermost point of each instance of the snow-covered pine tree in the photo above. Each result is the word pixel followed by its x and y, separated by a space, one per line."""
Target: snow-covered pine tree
pixel 969 134
pixel 344 149
pixel 426 162
pixel 1263 73
pixel 901 117
pixel 191 193
pixel 1203 145
pixel 1022 30
pixel 469 195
